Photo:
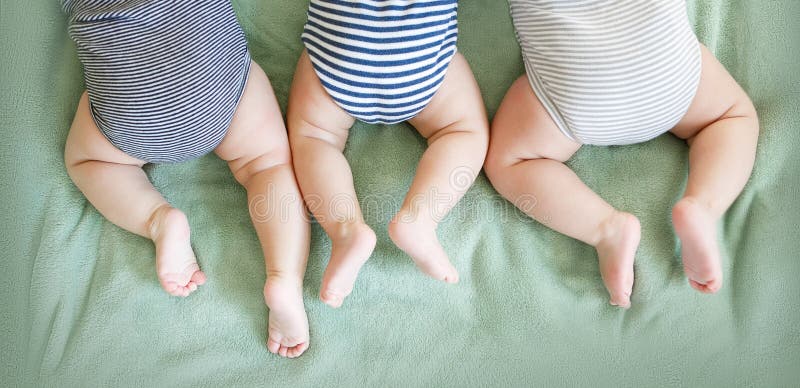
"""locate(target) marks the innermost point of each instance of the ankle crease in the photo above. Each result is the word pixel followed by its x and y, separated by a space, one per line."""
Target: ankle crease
pixel 154 222
pixel 605 229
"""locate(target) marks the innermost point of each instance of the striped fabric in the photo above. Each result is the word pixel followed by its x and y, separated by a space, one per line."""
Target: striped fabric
pixel 381 60
pixel 163 77
pixel 610 72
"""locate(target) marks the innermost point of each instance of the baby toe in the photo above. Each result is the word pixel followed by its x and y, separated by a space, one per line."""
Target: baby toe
pixel 332 298
pixel 273 346
pixel 199 278
pixel 298 350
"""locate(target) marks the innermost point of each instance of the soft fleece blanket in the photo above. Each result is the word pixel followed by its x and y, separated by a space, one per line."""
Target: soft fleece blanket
pixel 81 305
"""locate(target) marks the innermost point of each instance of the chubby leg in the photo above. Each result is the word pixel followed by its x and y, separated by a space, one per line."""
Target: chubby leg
pixel 318 131
pixel 457 130
pixel 116 185
pixel 256 148
pixel 525 165
pixel 721 128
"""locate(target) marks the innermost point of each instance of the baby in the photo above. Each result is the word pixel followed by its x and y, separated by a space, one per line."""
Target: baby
pixel 168 82
pixel 384 62
pixel 611 73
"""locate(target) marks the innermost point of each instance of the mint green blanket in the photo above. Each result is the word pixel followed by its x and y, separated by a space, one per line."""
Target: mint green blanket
pixel 81 305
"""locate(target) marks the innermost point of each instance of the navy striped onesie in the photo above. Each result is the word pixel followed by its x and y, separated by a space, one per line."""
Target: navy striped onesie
pixel 381 60
pixel 164 78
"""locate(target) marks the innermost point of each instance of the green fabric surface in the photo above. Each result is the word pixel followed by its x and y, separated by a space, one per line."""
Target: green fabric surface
pixel 81 304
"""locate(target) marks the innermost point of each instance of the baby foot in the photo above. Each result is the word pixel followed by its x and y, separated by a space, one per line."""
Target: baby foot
pixel 697 229
pixel 617 251
pixel 176 264
pixel 352 246
pixel 288 323
pixel 418 240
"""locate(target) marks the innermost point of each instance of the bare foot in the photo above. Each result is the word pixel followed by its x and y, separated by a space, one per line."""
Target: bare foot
pixel 288 323
pixel 352 245
pixel 176 264
pixel 696 226
pixel 617 251
pixel 419 241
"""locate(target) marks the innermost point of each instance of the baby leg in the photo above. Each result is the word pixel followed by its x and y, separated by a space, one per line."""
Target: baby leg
pixel 318 131
pixel 721 128
pixel 457 130
pixel 116 185
pixel 525 165
pixel 256 148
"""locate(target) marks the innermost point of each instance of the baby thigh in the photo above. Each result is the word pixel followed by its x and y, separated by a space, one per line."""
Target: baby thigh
pixel 256 148
pixel 455 125
pixel 457 130
pixel 525 164
pixel 721 127
pixel 111 180
pixel 318 131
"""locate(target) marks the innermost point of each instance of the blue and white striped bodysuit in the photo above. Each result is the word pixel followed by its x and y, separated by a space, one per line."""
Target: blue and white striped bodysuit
pixel 381 61
pixel 610 72
pixel 164 78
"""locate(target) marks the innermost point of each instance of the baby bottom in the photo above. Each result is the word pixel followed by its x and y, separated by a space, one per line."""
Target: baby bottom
pixel 527 154
pixel 256 148
pixel 456 127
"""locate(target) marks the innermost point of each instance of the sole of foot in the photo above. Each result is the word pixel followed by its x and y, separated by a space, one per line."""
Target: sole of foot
pixel 176 265
pixel 617 252
pixel 418 240
pixel 352 246
pixel 696 227
pixel 288 323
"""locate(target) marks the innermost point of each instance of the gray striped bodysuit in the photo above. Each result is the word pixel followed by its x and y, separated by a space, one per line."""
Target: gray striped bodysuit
pixel 164 78
pixel 609 72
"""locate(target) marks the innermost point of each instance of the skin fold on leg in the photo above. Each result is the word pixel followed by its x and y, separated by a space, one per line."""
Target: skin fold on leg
pixel 721 128
pixel 256 148
pixel 457 130
pixel 115 184
pixel 318 130
pixel 526 165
